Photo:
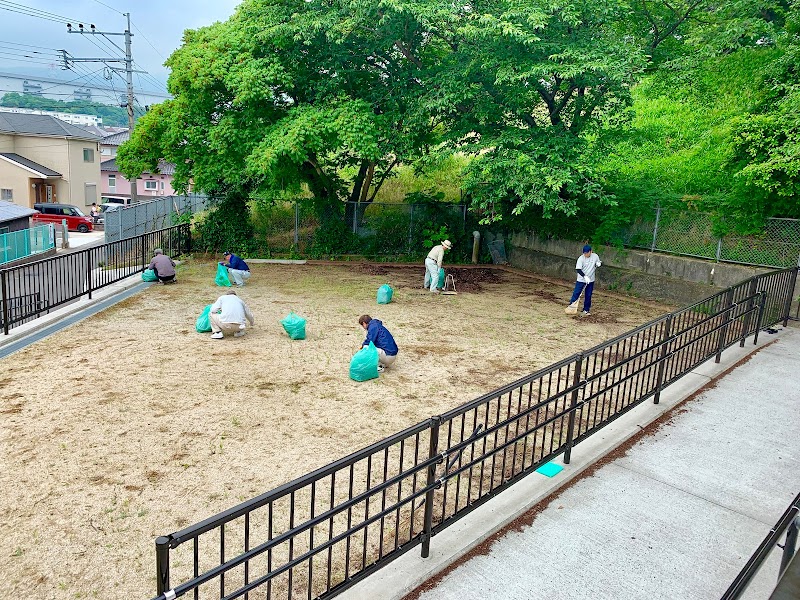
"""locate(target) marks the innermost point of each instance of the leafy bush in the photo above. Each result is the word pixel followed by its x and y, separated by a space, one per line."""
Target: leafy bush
pixel 227 226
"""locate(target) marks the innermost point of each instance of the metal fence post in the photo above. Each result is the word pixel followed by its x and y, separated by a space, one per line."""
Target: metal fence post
pixel 162 564
pixel 789 293
pixel 89 272
pixel 573 403
pixel 662 365
pixel 144 254
pixel 433 450
pixel 723 332
pixel 410 228
pixel 4 286
pixel 790 545
pixel 719 249
pixel 655 228
pixel 761 306
pixel 751 292
pixel 296 224
pixel 355 216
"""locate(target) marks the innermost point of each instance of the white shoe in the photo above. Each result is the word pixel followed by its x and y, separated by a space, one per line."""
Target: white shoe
pixel 242 326
pixel 238 334
pixel 381 368
pixel 586 313
pixel 217 336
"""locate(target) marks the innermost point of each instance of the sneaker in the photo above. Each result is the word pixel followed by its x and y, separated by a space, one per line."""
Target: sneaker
pixel 238 334
pixel 217 336
pixel 381 368
pixel 242 326
pixel 586 313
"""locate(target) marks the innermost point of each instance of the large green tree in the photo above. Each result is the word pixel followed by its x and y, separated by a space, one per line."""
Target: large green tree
pixel 288 96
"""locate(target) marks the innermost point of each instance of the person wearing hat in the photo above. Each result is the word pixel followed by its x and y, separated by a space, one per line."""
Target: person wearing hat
pixel 163 266
pixel 433 263
pixel 586 267
pixel 238 270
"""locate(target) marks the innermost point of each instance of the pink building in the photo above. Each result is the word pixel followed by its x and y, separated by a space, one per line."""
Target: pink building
pixel 112 183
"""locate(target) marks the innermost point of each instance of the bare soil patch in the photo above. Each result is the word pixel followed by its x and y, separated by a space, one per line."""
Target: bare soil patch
pixel 131 425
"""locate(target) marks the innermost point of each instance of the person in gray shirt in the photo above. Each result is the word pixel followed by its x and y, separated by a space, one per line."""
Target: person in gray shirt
pixel 163 266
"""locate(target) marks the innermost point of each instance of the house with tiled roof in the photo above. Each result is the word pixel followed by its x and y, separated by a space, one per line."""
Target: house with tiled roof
pixel 114 184
pixel 44 159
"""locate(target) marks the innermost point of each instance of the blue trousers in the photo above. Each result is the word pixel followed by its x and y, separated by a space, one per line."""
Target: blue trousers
pixel 587 296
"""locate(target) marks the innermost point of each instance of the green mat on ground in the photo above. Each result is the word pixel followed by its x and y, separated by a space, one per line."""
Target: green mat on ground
pixel 550 469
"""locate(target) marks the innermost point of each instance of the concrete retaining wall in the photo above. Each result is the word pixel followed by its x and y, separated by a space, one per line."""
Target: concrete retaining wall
pixel 663 277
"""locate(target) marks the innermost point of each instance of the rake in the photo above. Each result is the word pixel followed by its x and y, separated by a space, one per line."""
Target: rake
pixel 572 309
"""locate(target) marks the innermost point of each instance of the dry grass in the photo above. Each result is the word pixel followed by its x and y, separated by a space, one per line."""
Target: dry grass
pixel 130 425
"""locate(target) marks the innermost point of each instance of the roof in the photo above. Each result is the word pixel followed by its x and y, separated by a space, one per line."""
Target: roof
pixel 23 162
pixel 116 139
pixel 164 168
pixel 10 211
pixel 44 125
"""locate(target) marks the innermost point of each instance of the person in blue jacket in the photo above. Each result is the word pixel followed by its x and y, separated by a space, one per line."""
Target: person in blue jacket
pixel 383 340
pixel 238 270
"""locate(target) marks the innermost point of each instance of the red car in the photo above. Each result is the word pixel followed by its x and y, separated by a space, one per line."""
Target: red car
pixel 54 213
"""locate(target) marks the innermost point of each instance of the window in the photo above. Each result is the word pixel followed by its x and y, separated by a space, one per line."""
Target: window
pixel 150 184
pixel 90 193
pixel 112 181
pixel 105 151
pixel 162 185
pixel 6 194
pixel 88 155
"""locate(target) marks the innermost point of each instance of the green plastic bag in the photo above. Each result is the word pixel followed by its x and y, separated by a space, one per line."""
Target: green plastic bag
pixel 203 323
pixel 295 326
pixel 385 293
pixel 364 365
pixel 149 275
pixel 441 279
pixel 222 276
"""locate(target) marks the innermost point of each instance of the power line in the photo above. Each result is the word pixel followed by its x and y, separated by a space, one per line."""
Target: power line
pixel 148 41
pixel 29 46
pixel 109 7
pixel 35 12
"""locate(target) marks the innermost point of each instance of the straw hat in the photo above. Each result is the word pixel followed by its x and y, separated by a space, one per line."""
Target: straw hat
pixel 447 244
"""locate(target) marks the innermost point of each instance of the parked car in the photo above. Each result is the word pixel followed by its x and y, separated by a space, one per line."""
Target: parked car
pixel 115 200
pixel 109 206
pixel 55 213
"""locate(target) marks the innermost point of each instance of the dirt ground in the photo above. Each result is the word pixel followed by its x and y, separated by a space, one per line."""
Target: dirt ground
pixel 131 425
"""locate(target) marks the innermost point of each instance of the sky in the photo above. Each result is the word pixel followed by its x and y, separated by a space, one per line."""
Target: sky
pixel 157 27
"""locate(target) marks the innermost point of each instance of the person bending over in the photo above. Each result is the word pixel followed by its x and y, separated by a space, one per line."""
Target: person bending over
pixel 383 340
pixel 228 315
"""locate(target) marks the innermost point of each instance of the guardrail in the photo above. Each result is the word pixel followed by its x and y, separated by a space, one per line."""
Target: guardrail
pixel 321 533
pixel 64 278
pixel 789 523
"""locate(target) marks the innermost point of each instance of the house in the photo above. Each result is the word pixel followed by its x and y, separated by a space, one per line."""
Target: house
pixel 44 159
pixel 14 217
pixel 147 185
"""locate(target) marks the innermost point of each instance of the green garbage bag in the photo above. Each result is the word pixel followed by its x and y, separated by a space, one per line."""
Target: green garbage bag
pixel 364 365
pixel 203 323
pixel 385 293
pixel 149 275
pixel 441 279
pixel 295 326
pixel 222 276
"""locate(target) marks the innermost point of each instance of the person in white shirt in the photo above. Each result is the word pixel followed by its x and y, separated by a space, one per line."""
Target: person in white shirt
pixel 586 267
pixel 228 315
pixel 433 263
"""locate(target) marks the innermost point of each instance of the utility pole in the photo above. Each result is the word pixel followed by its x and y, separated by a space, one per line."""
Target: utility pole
pixel 129 71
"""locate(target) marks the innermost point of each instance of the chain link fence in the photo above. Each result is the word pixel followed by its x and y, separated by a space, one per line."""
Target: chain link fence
pixel 144 217
pixel 371 229
pixel 691 234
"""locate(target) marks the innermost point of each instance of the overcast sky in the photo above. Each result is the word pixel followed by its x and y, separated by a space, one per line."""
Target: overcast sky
pixel 161 22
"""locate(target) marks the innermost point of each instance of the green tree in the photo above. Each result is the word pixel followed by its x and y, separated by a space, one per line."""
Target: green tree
pixel 289 96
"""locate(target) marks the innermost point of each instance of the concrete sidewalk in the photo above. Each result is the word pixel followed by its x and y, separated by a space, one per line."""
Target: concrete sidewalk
pixel 676 517
pixel 668 501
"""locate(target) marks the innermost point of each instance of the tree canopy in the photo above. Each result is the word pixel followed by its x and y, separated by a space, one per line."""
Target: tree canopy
pixel 295 97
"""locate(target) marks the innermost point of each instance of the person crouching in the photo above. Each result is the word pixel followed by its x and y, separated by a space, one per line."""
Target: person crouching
pixel 228 315
pixel 163 266
pixel 383 340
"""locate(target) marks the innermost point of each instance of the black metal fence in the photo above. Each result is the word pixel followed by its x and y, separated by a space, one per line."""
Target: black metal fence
pixel 789 523
pixel 36 288
pixel 321 533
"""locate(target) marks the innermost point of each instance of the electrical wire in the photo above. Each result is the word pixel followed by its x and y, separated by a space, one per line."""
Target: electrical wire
pixel 38 13
pixel 148 41
pixel 109 7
